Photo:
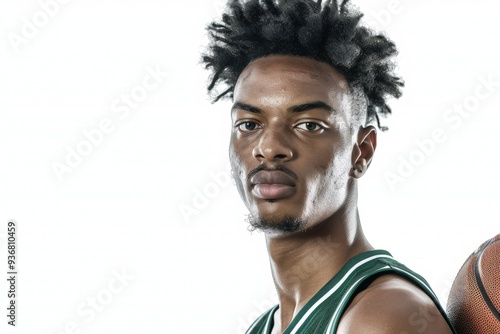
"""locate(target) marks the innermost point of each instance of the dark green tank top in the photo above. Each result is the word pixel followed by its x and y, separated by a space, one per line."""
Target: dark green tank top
pixel 321 314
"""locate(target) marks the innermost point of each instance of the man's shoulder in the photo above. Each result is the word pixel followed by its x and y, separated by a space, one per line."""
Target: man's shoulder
pixel 392 304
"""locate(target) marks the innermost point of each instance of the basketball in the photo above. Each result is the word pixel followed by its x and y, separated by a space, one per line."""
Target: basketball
pixel 474 300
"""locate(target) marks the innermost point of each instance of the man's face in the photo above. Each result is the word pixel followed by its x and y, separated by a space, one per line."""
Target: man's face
pixel 291 146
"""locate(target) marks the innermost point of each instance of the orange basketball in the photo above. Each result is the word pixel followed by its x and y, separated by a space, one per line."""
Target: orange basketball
pixel 474 301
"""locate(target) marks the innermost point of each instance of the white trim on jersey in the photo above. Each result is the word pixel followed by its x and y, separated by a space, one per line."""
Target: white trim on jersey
pixel 268 322
pixel 429 290
pixel 347 295
pixel 257 321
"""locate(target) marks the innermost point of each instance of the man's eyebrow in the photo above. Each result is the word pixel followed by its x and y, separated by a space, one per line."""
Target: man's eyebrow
pixel 246 107
pixel 312 105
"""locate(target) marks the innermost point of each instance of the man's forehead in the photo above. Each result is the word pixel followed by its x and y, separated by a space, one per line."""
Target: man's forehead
pixel 294 69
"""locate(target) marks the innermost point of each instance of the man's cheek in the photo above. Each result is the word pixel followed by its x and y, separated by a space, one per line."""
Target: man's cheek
pixel 239 177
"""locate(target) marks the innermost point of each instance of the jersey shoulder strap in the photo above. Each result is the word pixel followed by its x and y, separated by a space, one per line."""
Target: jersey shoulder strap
pixel 264 323
pixel 322 313
pixel 373 265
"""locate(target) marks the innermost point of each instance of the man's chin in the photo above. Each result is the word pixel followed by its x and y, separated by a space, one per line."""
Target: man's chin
pixel 276 225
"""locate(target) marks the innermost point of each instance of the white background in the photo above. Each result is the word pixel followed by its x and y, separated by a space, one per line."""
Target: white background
pixel 119 210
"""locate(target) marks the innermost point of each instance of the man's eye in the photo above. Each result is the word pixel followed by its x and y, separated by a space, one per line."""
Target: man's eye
pixel 248 126
pixel 310 126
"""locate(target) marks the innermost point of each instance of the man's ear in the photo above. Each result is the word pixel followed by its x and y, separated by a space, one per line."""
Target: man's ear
pixel 363 150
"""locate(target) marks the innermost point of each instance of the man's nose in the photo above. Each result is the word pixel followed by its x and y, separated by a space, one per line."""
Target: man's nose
pixel 273 146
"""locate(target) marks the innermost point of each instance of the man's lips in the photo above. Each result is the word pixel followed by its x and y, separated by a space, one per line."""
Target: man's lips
pixel 272 184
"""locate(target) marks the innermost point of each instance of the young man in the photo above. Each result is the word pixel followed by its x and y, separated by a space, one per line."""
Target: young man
pixel 307 81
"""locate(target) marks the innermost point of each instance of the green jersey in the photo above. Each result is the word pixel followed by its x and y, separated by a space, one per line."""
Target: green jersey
pixel 321 314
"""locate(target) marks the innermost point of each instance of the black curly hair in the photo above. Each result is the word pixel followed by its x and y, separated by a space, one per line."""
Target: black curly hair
pixel 329 32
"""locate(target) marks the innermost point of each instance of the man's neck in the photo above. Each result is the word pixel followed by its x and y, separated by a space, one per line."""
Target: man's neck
pixel 303 263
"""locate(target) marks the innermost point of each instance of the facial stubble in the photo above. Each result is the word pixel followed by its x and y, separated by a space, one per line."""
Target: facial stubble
pixel 286 224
